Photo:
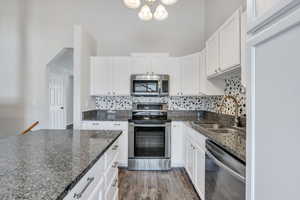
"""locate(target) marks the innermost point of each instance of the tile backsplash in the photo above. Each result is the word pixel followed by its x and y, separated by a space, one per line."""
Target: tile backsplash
pixel 207 103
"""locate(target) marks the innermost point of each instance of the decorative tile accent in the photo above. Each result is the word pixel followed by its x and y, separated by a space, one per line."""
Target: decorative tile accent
pixel 114 103
pixel 206 103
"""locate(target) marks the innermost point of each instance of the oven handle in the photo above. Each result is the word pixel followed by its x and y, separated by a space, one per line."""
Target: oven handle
pixel 149 125
pixel 223 166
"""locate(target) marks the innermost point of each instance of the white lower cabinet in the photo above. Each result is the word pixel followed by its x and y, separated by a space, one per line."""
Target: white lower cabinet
pixel 112 125
pixel 194 148
pixel 177 146
pixel 101 181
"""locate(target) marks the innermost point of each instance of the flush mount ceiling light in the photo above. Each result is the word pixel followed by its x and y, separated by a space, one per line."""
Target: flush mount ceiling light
pixel 151 8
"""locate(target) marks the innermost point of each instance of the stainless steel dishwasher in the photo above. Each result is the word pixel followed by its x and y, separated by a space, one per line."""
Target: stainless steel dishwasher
pixel 224 175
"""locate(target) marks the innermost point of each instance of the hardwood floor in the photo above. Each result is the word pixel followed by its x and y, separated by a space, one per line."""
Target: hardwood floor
pixel 155 185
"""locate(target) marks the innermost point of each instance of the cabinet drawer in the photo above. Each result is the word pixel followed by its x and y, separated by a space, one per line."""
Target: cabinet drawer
pixel 112 190
pixel 88 182
pixel 91 125
pixel 115 125
pixel 111 153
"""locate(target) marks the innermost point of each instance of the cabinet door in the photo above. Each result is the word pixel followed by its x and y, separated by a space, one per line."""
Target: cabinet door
pixel 98 193
pixel 159 65
pixel 141 65
pixel 121 71
pixel 189 159
pixel 243 47
pixel 200 171
pixel 175 77
pixel 101 76
pixel 177 158
pixel 230 49
pixel 212 54
pixel 189 68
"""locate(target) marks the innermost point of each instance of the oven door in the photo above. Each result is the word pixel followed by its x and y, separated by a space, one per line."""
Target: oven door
pixel 149 146
pixel 149 140
pixel 145 88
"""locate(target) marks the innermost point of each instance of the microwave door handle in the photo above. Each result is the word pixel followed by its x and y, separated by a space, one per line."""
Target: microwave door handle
pixel 223 166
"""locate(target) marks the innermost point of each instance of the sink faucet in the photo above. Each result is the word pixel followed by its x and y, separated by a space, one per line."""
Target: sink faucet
pixel 236 120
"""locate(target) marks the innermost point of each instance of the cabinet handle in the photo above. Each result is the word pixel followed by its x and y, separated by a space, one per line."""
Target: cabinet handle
pixel 79 195
pixel 115 183
pixel 115 147
pixel 117 124
pixel 216 71
pixel 95 124
pixel 219 69
pixel 115 165
pixel 108 93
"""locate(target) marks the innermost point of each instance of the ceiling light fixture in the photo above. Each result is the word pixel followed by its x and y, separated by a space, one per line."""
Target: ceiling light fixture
pixel 160 13
pixel 132 3
pixel 168 2
pixel 145 14
pixel 151 8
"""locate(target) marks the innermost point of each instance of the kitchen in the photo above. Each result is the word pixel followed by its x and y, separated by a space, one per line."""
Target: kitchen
pixel 187 114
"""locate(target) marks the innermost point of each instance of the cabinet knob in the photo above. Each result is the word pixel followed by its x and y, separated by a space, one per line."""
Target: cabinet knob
pixel 216 71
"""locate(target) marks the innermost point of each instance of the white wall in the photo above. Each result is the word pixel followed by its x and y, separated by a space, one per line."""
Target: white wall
pixel 217 11
pixel 84 47
pixel 12 79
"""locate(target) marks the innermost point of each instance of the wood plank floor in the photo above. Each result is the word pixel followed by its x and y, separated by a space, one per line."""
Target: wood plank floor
pixel 155 185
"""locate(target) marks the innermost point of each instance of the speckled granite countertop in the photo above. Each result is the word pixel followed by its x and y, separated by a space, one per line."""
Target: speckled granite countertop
pixel 234 143
pixel 46 164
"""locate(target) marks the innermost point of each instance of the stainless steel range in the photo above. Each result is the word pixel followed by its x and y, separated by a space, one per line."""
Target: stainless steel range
pixel 149 137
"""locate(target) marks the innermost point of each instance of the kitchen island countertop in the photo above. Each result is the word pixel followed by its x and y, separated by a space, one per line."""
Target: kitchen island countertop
pixel 46 164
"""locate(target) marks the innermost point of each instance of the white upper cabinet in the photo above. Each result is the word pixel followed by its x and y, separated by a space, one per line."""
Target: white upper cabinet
pixel 121 71
pixel 101 76
pixel 159 65
pixel 189 68
pixel 243 48
pixel 175 78
pixel 230 43
pixel 263 12
pixel 212 54
pixel 110 76
pixel 140 65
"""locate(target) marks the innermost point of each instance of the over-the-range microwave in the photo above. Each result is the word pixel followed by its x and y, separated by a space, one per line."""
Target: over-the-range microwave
pixel 149 85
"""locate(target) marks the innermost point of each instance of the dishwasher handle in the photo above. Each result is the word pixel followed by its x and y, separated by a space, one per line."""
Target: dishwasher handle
pixel 225 167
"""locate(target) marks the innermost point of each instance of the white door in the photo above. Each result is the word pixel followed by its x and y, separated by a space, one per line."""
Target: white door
pixel 189 67
pixel 101 76
pixel 212 54
pixel 57 119
pixel 230 49
pixel 121 71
